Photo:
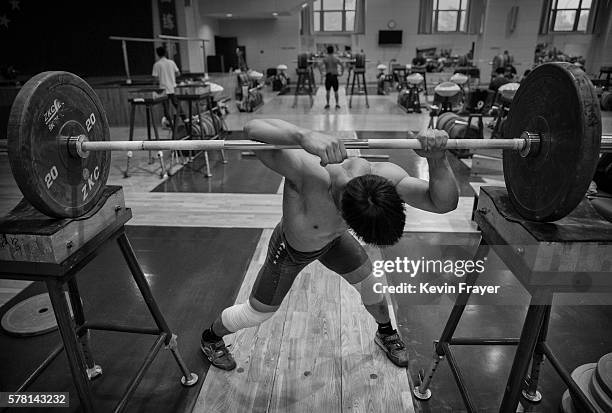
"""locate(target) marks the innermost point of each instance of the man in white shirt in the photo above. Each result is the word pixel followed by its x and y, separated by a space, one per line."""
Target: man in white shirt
pixel 165 70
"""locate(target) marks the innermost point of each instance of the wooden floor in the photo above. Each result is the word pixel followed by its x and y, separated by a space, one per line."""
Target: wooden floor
pixel 316 353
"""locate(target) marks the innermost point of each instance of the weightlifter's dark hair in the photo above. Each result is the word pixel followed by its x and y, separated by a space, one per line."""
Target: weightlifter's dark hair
pixel 330 49
pixel 373 209
pixel 161 51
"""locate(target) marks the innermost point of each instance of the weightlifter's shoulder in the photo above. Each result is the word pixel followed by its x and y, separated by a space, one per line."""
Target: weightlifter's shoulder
pixel 389 170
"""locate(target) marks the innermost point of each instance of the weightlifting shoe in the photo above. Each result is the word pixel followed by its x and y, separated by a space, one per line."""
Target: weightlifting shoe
pixel 217 353
pixel 394 348
pixel 326 107
pixel 337 106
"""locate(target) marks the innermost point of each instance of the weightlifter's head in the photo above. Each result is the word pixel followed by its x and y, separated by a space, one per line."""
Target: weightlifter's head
pixel 373 209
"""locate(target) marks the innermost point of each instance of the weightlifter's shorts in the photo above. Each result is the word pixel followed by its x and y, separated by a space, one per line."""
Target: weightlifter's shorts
pixel 344 255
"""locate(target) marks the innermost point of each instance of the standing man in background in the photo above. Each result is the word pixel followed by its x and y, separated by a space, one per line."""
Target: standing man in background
pixel 165 70
pixel 331 63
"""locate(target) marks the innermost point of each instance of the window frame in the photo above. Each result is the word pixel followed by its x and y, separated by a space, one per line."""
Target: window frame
pixel 321 12
pixel 553 16
pixel 463 9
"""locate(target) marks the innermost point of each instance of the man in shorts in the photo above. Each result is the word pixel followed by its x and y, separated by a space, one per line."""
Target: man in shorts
pixel 331 63
pixel 325 195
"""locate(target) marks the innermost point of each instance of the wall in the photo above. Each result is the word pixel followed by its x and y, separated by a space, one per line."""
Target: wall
pixel 190 23
pixel 596 47
pixel 73 36
pixel 209 27
pixel 496 38
pixel 268 42
pixel 406 16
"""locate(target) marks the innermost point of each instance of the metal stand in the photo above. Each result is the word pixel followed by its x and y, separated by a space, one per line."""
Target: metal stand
pixel 359 76
pixel 56 275
pixel 305 80
pixel 503 235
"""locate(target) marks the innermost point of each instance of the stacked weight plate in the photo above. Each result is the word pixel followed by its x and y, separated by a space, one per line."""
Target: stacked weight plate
pixel 595 380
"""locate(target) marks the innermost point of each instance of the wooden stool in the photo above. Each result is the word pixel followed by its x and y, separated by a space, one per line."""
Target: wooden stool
pixel 54 250
pixel 534 252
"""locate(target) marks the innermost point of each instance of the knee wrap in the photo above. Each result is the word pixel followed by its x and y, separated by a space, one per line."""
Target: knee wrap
pixel 242 316
pixel 366 290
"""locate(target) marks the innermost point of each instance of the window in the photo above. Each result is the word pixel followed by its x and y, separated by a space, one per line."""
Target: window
pixel 569 15
pixel 334 15
pixel 450 15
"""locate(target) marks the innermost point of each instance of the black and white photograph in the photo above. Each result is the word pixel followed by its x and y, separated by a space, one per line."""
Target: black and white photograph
pixel 306 206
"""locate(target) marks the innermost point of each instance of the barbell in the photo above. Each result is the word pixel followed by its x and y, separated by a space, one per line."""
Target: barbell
pixel 59 143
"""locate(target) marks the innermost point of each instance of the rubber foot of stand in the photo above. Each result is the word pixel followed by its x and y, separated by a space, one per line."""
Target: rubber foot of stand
pixel 533 398
pixel 421 396
pixel 193 379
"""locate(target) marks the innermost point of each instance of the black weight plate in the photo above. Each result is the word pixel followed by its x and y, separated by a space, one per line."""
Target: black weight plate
pixel 558 101
pixel 360 61
pixel 50 106
pixel 302 62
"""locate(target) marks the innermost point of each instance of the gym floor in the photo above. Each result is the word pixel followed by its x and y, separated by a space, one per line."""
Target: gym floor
pixel 201 242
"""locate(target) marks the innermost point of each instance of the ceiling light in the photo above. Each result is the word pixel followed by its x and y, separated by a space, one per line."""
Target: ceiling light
pixel 275 14
pixel 304 5
pixel 229 15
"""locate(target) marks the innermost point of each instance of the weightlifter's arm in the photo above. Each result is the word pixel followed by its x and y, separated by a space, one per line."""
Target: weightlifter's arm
pixel 291 163
pixel 441 193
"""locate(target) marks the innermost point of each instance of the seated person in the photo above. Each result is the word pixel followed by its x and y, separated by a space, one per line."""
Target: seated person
pixel 419 62
pixel 499 79
pixel 509 72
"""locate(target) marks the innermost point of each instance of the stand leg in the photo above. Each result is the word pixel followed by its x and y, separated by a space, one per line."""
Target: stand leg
pixel 150 109
pixel 132 116
pixel 531 393
pixel 71 345
pixel 365 90
pixel 311 88
pixel 422 391
pixel 352 91
pixel 524 352
pixel 148 116
pixel 207 162
pixel 188 378
pixel 93 370
pixel 128 157
pixel 297 90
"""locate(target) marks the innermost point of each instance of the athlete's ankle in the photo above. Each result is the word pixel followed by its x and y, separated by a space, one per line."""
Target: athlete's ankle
pixel 385 328
pixel 210 335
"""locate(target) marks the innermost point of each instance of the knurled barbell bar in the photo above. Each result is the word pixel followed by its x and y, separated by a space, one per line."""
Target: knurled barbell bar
pixel 59 143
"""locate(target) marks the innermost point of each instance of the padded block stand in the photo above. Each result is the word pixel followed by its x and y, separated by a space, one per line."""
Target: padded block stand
pixel 569 255
pixel 40 248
